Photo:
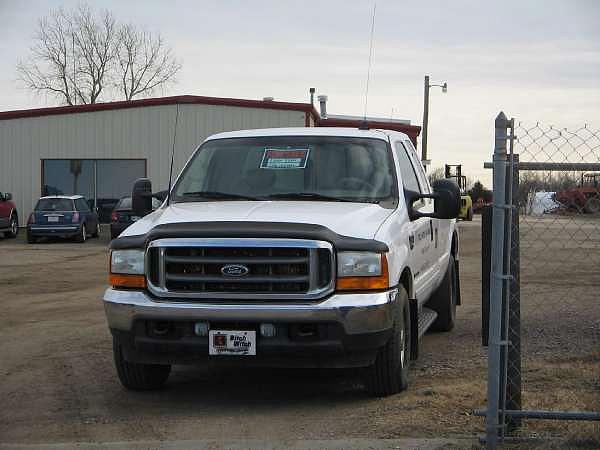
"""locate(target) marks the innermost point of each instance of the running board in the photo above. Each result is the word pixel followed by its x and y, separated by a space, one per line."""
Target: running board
pixel 420 321
pixel 426 318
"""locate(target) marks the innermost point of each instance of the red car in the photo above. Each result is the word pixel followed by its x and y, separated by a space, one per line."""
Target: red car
pixel 9 219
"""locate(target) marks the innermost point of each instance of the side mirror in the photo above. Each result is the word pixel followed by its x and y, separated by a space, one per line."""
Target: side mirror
pixel 446 201
pixel 7 196
pixel 141 197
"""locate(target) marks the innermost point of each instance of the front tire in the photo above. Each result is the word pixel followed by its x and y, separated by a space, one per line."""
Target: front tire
pixel 443 301
pixel 136 376
pixel 31 239
pixel 389 374
pixel 13 227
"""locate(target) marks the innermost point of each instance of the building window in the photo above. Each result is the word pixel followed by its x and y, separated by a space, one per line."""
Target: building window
pixel 101 181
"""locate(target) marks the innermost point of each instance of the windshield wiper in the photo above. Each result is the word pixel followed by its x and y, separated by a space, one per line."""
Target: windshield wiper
pixel 308 196
pixel 219 195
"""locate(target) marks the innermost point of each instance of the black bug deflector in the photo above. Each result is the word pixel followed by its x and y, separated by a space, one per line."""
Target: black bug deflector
pixel 267 230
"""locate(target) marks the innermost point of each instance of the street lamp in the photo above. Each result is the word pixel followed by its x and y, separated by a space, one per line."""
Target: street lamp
pixel 426 117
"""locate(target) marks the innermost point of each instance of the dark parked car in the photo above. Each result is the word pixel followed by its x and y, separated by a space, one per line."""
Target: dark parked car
pixel 122 216
pixel 9 219
pixel 62 216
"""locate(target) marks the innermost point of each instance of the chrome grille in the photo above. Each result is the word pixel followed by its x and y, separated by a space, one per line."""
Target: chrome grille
pixel 240 268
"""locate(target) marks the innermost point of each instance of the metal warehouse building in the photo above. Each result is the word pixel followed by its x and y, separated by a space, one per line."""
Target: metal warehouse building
pixel 99 150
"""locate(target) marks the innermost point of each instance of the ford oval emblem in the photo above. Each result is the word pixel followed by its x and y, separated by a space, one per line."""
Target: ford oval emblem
pixel 234 270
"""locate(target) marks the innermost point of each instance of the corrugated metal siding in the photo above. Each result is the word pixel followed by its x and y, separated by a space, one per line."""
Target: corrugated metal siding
pixel 126 133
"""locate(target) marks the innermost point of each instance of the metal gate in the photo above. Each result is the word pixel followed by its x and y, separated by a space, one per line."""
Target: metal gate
pixel 541 287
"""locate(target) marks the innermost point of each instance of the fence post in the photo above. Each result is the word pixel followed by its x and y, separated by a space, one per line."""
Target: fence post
pixel 496 282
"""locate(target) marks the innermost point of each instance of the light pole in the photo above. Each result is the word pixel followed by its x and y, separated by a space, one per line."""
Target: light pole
pixel 426 117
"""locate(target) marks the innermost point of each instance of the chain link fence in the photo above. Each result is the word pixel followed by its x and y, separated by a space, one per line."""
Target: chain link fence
pixel 544 327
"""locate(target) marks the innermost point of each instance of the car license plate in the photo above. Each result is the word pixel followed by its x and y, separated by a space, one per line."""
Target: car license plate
pixel 236 343
pixel 52 219
pixel 135 218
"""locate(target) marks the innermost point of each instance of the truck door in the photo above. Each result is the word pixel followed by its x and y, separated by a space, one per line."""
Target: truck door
pixel 421 231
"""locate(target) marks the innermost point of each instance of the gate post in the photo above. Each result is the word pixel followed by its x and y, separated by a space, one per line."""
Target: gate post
pixel 496 282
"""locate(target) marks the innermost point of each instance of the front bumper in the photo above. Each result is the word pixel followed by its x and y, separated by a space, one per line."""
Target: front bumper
pixel 352 327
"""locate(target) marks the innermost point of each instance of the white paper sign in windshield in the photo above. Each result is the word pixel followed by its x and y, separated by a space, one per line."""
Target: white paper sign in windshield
pixel 274 158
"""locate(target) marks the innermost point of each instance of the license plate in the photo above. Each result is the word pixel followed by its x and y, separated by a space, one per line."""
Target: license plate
pixel 52 219
pixel 236 343
pixel 135 218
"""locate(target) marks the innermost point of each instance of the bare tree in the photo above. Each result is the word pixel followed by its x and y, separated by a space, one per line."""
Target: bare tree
pixel 78 56
pixel 436 174
pixel 144 62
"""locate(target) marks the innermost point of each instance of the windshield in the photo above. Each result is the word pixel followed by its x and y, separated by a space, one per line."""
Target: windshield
pixel 54 204
pixel 287 167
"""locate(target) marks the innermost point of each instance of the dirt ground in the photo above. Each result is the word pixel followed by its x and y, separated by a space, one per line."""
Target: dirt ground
pixel 59 383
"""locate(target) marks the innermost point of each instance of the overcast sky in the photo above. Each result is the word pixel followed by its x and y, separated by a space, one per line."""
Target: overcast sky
pixel 536 60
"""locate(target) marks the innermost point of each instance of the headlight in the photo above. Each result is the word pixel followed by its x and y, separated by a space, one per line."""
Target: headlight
pixel 362 271
pixel 359 264
pixel 127 261
pixel 127 269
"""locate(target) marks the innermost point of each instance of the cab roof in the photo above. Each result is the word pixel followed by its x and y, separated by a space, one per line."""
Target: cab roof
pixel 313 131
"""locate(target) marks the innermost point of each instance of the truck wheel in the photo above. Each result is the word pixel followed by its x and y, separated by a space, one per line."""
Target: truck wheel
pixel 443 301
pixel 136 376
pixel 13 227
pixel 389 374
pixel 31 239
pixel 470 214
pixel 592 205
pixel 81 237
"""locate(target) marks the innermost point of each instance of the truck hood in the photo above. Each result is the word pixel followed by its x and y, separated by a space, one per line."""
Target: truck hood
pixel 360 220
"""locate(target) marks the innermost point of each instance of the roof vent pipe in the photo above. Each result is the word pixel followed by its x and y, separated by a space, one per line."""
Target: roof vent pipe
pixel 323 105
pixel 312 96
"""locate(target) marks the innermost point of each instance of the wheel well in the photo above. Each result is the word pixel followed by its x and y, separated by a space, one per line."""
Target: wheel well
pixel 406 280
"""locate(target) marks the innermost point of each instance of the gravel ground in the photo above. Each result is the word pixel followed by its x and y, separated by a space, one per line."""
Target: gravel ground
pixel 59 383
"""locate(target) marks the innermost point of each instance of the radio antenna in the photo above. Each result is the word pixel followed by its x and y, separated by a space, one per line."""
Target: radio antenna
pixel 172 156
pixel 370 60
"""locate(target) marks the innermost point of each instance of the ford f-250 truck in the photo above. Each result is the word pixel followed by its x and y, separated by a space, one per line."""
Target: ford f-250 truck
pixel 294 247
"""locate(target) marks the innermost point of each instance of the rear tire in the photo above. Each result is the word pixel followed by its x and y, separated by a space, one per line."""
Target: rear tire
pixel 31 239
pixel 443 301
pixel 13 227
pixel 96 233
pixel 136 376
pixel 82 234
pixel 389 374
pixel 592 205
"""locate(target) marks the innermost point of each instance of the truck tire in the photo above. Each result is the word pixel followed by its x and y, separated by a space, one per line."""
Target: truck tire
pixel 389 374
pixel 31 239
pixel 592 205
pixel 136 376
pixel 443 301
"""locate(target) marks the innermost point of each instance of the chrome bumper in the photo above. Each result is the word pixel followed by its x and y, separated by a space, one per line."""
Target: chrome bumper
pixel 358 313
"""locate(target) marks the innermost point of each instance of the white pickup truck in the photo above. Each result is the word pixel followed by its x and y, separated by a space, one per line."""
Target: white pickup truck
pixel 290 247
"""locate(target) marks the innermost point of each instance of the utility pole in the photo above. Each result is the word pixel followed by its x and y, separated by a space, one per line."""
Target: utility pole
pixel 427 85
pixel 425 122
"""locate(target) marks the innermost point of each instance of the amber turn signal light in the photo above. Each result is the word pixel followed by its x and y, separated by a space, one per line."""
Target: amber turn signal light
pixel 117 280
pixel 366 283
